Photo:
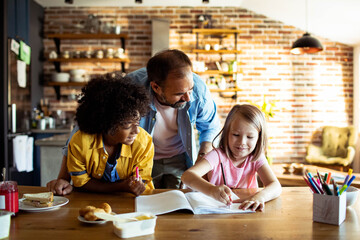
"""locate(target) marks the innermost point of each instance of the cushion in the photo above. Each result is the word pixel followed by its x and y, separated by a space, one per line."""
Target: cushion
pixel 335 140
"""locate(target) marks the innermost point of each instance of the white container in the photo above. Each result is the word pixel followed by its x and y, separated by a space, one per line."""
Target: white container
pixel 77 72
pixel 329 209
pixel 78 78
pixel 5 219
pixel 136 228
pixel 60 77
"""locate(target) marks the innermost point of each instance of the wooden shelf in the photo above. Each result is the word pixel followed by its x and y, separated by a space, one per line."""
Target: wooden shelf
pixel 120 60
pixel 217 72
pixel 82 36
pixel 86 36
pixel 215 31
pixel 225 90
pixel 215 52
pixel 65 84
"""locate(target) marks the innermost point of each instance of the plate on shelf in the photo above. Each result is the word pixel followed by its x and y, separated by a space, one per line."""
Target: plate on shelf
pixel 58 202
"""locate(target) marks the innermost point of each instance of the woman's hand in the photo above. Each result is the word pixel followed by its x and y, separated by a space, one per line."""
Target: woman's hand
pixel 252 204
pixel 221 193
pixel 134 185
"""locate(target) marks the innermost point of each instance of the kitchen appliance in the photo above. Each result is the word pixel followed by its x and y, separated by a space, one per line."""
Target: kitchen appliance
pixel 18 112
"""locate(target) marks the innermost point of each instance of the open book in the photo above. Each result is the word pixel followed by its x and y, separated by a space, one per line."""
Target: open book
pixel 196 202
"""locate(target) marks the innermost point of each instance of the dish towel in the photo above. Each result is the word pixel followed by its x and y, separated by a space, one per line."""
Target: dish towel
pixel 29 154
pixel 23 153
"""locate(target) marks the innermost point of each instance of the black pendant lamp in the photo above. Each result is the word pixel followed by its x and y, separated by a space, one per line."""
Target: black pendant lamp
pixel 307 43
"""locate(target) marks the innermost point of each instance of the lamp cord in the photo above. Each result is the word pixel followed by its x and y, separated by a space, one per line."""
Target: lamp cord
pixel 306 15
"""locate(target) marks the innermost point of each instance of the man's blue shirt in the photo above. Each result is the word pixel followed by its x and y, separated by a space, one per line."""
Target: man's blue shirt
pixel 199 112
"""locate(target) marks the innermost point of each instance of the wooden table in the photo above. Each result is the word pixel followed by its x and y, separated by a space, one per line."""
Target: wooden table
pixel 287 217
pixel 292 180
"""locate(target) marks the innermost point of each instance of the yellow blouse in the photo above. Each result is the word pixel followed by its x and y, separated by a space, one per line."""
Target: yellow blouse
pixel 87 158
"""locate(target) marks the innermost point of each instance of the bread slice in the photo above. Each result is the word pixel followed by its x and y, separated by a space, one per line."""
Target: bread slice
pixel 40 200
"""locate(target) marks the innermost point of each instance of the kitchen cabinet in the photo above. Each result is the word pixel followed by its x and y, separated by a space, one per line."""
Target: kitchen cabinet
pixel 18 19
pixel 84 36
pixel 231 73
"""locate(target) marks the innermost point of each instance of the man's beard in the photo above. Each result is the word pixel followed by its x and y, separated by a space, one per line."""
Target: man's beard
pixel 178 105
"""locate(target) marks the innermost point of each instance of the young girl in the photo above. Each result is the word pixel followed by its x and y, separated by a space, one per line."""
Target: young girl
pixel 236 161
pixel 111 152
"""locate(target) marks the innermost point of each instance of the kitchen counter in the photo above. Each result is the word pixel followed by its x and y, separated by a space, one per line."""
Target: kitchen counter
pixel 54 130
pixel 51 156
pixel 56 140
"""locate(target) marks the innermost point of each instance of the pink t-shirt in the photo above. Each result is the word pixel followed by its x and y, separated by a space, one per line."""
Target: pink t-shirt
pixel 166 139
pixel 236 177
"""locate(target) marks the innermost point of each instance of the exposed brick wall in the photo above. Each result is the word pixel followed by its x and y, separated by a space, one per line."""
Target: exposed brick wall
pixel 310 90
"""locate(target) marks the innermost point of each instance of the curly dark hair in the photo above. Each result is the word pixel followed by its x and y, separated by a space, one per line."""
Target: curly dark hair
pixel 108 101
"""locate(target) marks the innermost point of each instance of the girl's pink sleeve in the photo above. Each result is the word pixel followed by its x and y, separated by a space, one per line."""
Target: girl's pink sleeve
pixel 213 158
pixel 261 161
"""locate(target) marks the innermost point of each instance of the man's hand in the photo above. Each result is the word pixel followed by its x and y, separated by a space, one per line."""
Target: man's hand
pixel 59 187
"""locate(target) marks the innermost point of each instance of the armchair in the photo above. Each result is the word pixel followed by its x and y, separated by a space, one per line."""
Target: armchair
pixel 337 149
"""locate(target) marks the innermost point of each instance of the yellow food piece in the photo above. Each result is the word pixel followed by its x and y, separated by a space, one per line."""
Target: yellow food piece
pixel 88 211
pixel 143 217
pixel 85 210
pixel 90 216
pixel 106 207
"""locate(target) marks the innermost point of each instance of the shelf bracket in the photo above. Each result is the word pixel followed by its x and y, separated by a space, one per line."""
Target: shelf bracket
pixel 57 66
pixel 57 92
pixel 57 45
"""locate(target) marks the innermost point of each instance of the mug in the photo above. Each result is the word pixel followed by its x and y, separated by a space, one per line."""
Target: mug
pixel 9 196
pixel 51 122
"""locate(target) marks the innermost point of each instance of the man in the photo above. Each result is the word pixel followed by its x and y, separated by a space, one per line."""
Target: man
pixel 180 100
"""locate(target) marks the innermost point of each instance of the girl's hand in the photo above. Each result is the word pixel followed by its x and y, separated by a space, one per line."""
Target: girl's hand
pixel 252 204
pixel 222 193
pixel 135 186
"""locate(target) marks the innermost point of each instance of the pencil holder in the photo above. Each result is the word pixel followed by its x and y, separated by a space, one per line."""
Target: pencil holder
pixel 329 208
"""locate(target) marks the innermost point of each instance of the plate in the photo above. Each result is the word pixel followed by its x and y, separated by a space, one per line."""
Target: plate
pixel 82 219
pixel 58 202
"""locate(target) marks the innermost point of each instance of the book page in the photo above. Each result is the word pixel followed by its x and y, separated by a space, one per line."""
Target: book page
pixel 162 202
pixel 203 204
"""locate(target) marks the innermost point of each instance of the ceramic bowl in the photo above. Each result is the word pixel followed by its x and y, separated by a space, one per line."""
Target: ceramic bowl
pixel 77 78
pixel 351 195
pixel 77 72
pixel 298 168
pixel 287 168
pixel 60 77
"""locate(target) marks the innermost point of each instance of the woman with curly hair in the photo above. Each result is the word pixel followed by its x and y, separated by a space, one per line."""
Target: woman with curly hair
pixel 104 155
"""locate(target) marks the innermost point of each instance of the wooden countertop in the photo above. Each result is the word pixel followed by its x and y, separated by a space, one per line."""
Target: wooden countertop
pixel 287 217
pixel 54 130
pixel 54 141
pixel 297 180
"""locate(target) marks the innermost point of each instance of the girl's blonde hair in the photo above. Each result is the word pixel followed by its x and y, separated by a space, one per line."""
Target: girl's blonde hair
pixel 252 115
